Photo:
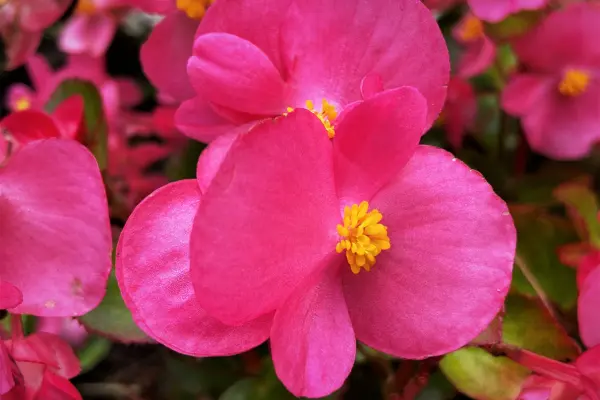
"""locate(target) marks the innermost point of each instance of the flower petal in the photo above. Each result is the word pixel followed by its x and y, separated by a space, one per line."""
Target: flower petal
pixel 10 295
pixel 153 273
pixel 312 341
pixel 28 125
pixel 524 92
pixel 211 159
pixel 477 58
pixel 587 310
pixel 330 46
pixel 90 34
pixel 251 234
pixel 234 73
pixel 165 55
pixel 449 267
pixel 55 227
pixel 375 140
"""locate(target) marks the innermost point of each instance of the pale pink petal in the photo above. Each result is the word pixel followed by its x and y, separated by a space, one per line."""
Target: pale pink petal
pixel 47 349
pixel 491 10
pixel 55 227
pixel 570 34
pixel 450 263
pixel 37 15
pixel 272 189
pixel 211 159
pixel 331 46
pixel 312 341
pixel 89 34
pixel 39 71
pixel 153 269
pixel 165 54
pixel 234 73
pixel 371 85
pixel 375 140
pixel 587 309
pixel 20 45
pixel 524 92
pixel 10 295
pixel 477 58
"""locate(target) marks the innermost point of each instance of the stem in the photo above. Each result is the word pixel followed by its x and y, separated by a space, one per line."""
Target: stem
pixel 547 367
pixel 520 263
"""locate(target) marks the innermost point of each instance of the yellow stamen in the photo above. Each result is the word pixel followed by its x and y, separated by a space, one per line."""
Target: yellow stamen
pixel 194 9
pixel 471 29
pixel 362 236
pixel 22 103
pixel 327 115
pixel 86 7
pixel 574 82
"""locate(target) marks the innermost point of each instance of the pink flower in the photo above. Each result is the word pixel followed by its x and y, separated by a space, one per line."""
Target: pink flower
pixel 441 5
pixel 428 245
pixel 588 280
pixel 91 28
pixel 55 228
pixel 497 10
pixel 479 50
pixel 460 110
pixel 68 329
pixel 557 97
pixel 580 380
pixel 22 23
pixel 243 73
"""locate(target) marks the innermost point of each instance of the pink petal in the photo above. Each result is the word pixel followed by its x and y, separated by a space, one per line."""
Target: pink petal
pixel 10 295
pixel 271 190
pixel 153 269
pixel 38 15
pixel 589 364
pixel 165 54
pixel 371 85
pixel 55 227
pixel 69 117
pixel 90 34
pixel 312 341
pixel 570 33
pixel 129 92
pixel 331 46
pixel 375 140
pixel 234 73
pixel 7 380
pixel 587 310
pixel 25 126
pixel 56 388
pixel 211 159
pixel 524 92
pixel 20 45
pixel 39 71
pixel 47 349
pixel 449 268
pixel 197 119
pixel 477 58
pixel 491 10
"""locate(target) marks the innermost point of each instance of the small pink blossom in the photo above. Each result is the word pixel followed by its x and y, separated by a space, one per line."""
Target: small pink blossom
pixel 460 110
pixel 479 51
pixel 22 23
pixel 557 95
pixel 497 10
pixel 280 189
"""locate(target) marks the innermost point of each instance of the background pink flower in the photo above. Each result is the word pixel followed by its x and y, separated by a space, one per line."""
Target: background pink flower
pixel 497 10
pixel 479 51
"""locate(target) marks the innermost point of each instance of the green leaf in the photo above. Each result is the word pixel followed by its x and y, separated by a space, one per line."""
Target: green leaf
pixel 581 198
pixel 528 325
pixel 96 127
pixel 112 318
pixel 482 376
pixel 93 352
pixel 539 236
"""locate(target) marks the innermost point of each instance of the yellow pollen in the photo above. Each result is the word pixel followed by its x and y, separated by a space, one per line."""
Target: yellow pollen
pixel 472 29
pixel 22 103
pixel 86 7
pixel 362 236
pixel 574 82
pixel 327 115
pixel 194 9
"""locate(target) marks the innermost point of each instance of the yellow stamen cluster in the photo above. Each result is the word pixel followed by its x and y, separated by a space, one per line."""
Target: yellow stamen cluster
pixel 574 82
pixel 22 103
pixel 194 9
pixel 472 29
pixel 327 115
pixel 86 7
pixel 363 237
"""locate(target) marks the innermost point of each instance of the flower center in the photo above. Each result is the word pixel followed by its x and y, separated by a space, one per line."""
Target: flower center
pixel 327 115
pixel 86 7
pixel 574 82
pixel 194 9
pixel 472 29
pixel 362 236
pixel 22 103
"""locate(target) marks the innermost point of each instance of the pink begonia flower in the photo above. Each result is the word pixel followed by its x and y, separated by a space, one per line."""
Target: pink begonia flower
pixel 91 28
pixel 460 110
pixel 243 73
pixel 555 380
pixel 38 366
pixel 55 228
pixel 479 51
pixel 557 96
pixel 22 23
pixel 288 180
pixel 497 10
